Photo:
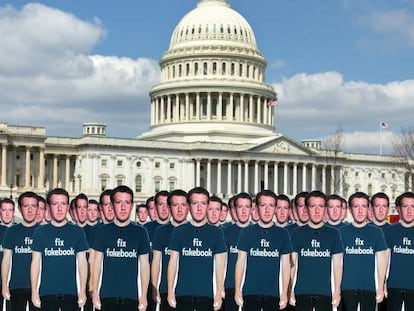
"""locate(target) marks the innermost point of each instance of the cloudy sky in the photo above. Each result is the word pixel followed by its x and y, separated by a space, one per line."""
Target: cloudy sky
pixel 334 63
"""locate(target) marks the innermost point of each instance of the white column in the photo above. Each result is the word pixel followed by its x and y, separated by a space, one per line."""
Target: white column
pixel 241 108
pixel 209 175
pixel 3 164
pixel 304 177
pixel 276 177
pixel 313 177
pixel 229 179
pixel 340 184
pixel 332 179
pixel 198 114
pixel 266 175
pixel 67 172
pixel 41 177
pixel 265 111
pixel 246 176
pixel 239 177
pixel 177 108
pixel 155 111
pixel 323 186
pixel 208 106
pixel 295 179
pixel 231 108
pixel 198 165
pixel 259 110
pixel 169 109
pixel 152 112
pixel 220 107
pixel 219 177
pixel 251 109
pixel 162 110
pixel 187 107
pixel 270 117
pixel 55 171
pixel 256 177
pixel 27 168
pixel 285 178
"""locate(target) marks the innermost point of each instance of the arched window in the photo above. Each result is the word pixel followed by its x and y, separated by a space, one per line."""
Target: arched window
pixel 138 183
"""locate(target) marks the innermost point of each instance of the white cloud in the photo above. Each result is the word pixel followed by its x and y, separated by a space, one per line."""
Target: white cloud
pixel 279 63
pixel 313 106
pixel 399 24
pixel 48 77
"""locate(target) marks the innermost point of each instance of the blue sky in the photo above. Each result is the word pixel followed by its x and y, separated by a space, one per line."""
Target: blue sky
pixel 334 63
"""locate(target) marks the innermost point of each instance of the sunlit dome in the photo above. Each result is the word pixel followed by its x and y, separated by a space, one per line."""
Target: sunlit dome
pixel 213 21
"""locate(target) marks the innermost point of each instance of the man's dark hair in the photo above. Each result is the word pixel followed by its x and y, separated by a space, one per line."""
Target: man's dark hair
pixel 215 198
pixel 56 191
pixel 284 197
pixel 122 189
pixel 302 194
pixel 162 193
pixel 314 194
pixel 243 195
pixel 7 200
pixel 139 206
pixel 380 195
pixel 334 197
pixel 92 201
pixel 265 193
pixel 231 201
pixel 408 194
pixel 147 202
pixel 198 190
pixel 27 194
pixel 104 193
pixel 358 195
pixel 80 196
pixel 41 199
pixel 178 193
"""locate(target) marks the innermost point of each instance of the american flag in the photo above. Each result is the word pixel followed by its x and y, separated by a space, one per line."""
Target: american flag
pixel 272 102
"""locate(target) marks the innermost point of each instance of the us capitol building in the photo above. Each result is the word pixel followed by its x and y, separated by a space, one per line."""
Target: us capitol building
pixel 211 126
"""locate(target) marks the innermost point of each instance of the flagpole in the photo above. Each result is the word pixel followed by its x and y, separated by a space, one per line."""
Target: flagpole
pixel 381 138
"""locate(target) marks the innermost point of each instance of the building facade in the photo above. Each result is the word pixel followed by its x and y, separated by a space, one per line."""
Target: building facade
pixel 211 125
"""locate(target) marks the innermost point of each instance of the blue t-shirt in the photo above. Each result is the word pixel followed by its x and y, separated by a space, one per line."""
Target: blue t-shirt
pixel 151 227
pixel 58 247
pixel 400 241
pixel 290 227
pixel 264 248
pixel 383 227
pixel 2 231
pixel 337 226
pixel 19 239
pixel 315 248
pixel 360 246
pixel 231 236
pixel 160 243
pixel 196 247
pixel 121 248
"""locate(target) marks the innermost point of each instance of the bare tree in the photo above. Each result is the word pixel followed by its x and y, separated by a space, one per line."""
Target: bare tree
pixel 403 146
pixel 333 146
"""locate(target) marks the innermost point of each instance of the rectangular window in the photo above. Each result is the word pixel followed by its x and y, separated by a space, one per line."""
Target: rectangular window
pixel 157 186
pixel 119 163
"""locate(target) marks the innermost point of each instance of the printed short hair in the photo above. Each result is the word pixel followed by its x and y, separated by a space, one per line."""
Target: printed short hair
pixel 56 191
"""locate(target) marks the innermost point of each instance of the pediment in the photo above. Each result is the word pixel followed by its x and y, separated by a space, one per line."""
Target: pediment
pixel 282 145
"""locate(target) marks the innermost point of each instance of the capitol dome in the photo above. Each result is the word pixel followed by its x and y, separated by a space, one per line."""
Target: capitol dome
pixel 213 20
pixel 212 85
